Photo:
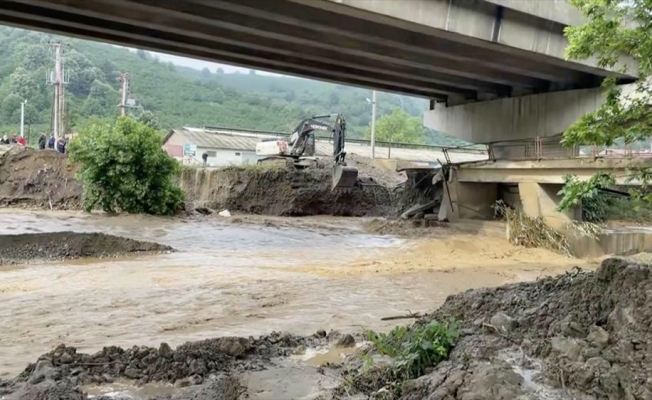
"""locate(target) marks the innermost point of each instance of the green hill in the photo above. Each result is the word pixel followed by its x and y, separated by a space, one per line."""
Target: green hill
pixel 177 96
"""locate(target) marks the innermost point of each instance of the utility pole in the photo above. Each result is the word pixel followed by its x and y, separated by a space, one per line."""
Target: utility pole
pixel 58 79
pixel 124 78
pixel 373 125
pixel 22 118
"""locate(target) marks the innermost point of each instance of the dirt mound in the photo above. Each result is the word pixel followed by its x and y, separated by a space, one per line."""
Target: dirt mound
pixel 29 247
pixel 38 178
pixel 580 335
pixel 281 192
pixel 63 370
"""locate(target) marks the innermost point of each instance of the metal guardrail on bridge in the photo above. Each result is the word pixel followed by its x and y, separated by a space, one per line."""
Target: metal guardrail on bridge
pixel 545 148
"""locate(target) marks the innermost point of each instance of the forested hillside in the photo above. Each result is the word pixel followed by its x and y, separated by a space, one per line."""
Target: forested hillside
pixel 177 96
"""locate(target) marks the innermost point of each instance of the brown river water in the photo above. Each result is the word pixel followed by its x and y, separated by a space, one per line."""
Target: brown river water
pixel 240 278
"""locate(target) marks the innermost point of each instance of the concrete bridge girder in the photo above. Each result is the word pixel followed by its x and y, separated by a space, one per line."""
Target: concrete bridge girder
pixel 322 39
pixel 517 118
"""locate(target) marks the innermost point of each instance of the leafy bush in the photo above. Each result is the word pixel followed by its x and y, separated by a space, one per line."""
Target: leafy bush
pixel 587 194
pixel 123 168
pixel 417 347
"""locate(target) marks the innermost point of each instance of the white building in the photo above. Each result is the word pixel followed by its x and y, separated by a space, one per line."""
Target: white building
pixel 234 147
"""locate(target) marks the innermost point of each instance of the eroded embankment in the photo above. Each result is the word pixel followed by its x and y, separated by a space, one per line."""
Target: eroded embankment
pixel 39 179
pixel 44 179
pixel 35 247
pixel 281 192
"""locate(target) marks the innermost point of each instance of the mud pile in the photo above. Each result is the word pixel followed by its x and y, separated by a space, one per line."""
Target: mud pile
pixel 581 335
pixel 31 247
pixel 38 178
pixel 281 192
pixel 63 370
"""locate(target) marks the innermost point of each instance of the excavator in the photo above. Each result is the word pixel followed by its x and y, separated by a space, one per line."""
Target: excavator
pixel 298 150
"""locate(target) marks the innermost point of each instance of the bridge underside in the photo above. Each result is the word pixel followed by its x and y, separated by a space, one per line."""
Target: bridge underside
pixel 316 39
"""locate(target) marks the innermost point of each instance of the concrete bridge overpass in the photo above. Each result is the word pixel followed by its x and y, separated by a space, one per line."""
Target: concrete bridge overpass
pixel 451 51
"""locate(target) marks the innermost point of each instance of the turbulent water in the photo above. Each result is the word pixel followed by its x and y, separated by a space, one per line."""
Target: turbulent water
pixel 229 278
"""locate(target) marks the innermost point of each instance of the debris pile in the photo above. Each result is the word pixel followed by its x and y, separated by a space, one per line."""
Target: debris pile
pixel 64 370
pixel 582 335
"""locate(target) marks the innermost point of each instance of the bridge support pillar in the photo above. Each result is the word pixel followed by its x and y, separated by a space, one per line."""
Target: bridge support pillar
pixel 541 200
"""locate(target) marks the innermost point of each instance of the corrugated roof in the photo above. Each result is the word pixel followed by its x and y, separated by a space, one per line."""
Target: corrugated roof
pixel 231 140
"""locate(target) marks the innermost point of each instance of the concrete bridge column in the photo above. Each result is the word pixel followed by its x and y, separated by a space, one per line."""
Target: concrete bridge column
pixel 541 200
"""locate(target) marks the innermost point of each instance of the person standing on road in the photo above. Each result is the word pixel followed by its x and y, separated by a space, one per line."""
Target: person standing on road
pixel 42 141
pixel 21 141
pixel 204 157
pixel 51 142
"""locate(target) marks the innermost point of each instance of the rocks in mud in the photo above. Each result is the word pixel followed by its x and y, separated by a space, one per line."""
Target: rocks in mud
pixel 346 341
pixel 503 322
pixel 189 364
pixel 66 245
pixel 46 391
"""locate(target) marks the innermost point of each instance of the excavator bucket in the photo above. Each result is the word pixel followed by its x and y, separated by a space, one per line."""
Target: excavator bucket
pixel 344 177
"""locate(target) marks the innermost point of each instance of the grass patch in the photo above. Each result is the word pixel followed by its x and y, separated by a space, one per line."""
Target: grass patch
pixel 413 351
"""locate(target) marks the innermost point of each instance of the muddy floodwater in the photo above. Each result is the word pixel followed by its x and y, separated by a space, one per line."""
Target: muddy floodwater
pixel 239 277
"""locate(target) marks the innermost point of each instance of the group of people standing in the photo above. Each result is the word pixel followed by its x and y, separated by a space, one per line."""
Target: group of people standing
pixel 52 143
pixel 19 140
pixel 43 142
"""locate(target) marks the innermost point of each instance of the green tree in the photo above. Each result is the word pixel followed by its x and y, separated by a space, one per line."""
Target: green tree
pixel 22 84
pixel 10 104
pixel 614 28
pixel 148 118
pixel 124 168
pixel 398 127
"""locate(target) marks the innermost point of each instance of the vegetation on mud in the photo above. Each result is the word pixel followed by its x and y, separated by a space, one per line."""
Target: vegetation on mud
pixel 413 351
pixel 124 169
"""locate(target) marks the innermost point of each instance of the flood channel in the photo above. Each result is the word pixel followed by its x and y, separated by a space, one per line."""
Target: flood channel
pixel 239 277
